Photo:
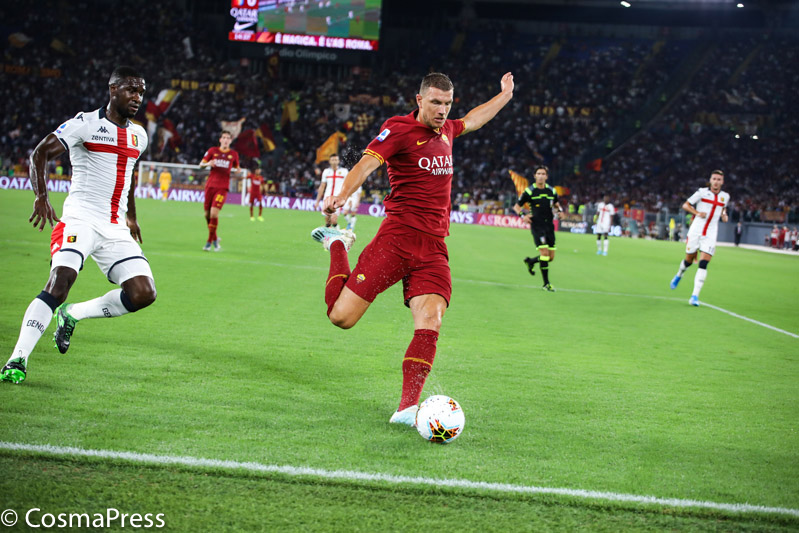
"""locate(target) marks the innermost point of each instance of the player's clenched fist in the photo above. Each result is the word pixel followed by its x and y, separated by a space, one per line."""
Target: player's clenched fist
pixel 331 203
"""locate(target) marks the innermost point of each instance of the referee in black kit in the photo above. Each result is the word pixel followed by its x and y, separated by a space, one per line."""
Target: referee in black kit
pixel 543 200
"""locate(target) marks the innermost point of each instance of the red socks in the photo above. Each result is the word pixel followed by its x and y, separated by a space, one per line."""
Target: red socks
pixel 212 224
pixel 339 273
pixel 417 365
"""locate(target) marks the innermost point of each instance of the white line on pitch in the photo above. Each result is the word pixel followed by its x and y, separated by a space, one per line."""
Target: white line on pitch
pixel 349 475
pixel 647 296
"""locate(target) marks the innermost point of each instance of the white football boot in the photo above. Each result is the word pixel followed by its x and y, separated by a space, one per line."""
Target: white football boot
pixel 407 416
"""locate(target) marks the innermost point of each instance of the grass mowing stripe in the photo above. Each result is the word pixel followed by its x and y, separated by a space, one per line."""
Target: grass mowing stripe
pixel 349 475
pixel 479 282
pixel 607 293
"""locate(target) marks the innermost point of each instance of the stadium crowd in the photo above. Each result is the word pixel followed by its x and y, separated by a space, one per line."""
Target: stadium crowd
pixel 572 92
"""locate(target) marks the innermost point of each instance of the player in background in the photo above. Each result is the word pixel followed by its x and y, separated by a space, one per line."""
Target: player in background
pixel 543 200
pixel 257 194
pixel 604 219
pixel 98 220
pixel 332 180
pixel 221 160
pixel 409 245
pixel 708 205
pixel 165 181
pixel 350 208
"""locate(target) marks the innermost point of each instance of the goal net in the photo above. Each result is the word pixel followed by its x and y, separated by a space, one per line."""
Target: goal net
pixel 186 182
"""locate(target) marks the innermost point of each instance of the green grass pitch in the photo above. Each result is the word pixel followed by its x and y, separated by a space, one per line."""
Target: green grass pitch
pixel 613 383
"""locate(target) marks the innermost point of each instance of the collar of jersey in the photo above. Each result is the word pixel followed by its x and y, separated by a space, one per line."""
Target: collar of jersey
pixel 103 115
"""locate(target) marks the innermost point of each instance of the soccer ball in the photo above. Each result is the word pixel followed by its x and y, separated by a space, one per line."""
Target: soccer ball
pixel 440 419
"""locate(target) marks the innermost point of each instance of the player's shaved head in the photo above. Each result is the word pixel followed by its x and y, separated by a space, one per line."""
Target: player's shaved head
pixel 437 80
pixel 121 73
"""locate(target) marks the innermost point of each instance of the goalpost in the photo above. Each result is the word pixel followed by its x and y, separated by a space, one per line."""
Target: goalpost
pixel 188 181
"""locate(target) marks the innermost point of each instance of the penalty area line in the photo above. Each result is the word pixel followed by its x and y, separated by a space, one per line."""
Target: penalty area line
pixel 350 475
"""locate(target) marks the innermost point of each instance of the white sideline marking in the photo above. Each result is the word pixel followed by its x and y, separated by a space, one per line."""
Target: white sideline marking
pixel 349 475
pixel 607 293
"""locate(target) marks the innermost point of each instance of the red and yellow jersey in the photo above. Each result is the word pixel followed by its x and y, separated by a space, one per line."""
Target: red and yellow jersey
pixel 419 160
pixel 222 163
pixel 256 181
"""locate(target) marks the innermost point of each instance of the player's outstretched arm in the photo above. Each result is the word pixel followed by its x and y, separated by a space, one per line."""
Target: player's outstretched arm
pixel 480 115
pixel 354 179
pixel 48 149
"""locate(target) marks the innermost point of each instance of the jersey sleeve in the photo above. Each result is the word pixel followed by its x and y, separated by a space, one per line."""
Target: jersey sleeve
pixel 458 126
pixel 235 159
pixel 555 197
pixel 388 142
pixel 695 197
pixel 208 155
pixel 72 132
pixel 524 198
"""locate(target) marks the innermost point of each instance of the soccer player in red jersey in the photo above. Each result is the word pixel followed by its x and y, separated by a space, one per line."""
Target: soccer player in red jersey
pixel 221 159
pixel 256 194
pixel 410 243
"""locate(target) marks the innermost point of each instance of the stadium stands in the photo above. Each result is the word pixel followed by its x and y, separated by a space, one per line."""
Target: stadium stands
pixel 573 92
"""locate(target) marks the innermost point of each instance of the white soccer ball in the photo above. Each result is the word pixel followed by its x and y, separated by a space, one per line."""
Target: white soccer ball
pixel 440 419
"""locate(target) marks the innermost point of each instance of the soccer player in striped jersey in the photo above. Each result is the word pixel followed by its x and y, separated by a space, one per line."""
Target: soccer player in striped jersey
pixel 98 219
pixel 332 180
pixel 708 205
pixel 604 219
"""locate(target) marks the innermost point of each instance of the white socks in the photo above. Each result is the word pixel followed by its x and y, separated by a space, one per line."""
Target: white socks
pixel 106 306
pixel 683 266
pixel 699 280
pixel 37 317
pixel 606 246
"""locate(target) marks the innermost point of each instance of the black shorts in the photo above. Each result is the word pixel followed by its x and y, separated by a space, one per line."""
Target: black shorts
pixel 544 235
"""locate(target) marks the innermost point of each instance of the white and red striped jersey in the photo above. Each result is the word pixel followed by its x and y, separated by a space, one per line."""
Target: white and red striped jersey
pixel 705 201
pixel 103 155
pixel 333 180
pixel 604 214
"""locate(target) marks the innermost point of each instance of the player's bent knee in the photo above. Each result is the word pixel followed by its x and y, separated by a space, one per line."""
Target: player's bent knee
pixel 60 282
pixel 138 293
pixel 342 320
pixel 703 263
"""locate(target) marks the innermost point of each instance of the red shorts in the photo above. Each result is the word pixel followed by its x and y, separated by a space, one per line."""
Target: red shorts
pixel 399 252
pixel 215 197
pixel 256 196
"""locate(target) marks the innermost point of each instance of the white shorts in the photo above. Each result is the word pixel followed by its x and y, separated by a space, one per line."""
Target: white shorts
pixel 352 203
pixel 696 241
pixel 110 245
pixel 602 229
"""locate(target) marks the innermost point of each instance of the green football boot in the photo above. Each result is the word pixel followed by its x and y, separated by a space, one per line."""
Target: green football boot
pixel 65 326
pixel 14 371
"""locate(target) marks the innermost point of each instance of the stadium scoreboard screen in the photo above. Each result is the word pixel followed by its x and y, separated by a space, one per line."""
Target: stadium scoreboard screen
pixel 342 24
